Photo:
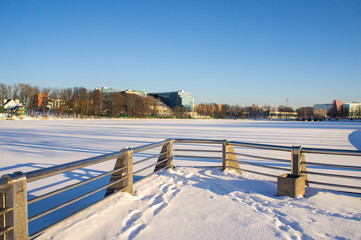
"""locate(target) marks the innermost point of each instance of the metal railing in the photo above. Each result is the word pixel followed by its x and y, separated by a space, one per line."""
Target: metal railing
pixel 14 204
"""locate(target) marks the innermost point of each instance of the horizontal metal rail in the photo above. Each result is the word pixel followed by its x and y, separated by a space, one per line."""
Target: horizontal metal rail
pixel 334 185
pixel 51 171
pixel 47 172
pixel 205 157
pixel 188 140
pixel 331 151
pixel 145 168
pixel 259 165
pixel 331 165
pixel 6 230
pixel 262 146
pixel 331 175
pixel 4 184
pixel 149 146
pixel 196 150
pixel 148 158
pixel 260 157
pixel 5 211
pixel 256 172
pixel 74 200
pixel 74 186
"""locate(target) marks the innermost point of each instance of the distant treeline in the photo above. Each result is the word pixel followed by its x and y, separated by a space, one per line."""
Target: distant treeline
pixel 254 111
pixel 81 102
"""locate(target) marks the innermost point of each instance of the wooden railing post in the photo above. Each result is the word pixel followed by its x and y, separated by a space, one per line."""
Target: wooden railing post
pixel 15 198
pixel 125 160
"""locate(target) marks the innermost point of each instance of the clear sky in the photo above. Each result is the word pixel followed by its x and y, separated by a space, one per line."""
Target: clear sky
pixel 234 52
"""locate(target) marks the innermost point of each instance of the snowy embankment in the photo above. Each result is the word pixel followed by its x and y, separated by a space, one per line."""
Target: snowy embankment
pixel 195 203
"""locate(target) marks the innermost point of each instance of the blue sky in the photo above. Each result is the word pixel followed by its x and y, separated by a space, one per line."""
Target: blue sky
pixel 234 52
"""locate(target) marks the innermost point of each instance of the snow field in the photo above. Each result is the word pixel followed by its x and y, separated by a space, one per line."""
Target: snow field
pixel 196 203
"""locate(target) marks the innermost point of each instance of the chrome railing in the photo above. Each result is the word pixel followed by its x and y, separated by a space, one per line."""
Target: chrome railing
pixel 14 204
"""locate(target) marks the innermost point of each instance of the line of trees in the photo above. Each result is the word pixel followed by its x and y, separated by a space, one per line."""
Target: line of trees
pixel 81 102
pixel 254 111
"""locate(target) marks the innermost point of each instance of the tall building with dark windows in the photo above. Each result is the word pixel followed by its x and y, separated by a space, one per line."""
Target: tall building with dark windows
pixel 176 98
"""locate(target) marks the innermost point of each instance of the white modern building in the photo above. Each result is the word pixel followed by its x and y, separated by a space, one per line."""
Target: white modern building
pixel 353 109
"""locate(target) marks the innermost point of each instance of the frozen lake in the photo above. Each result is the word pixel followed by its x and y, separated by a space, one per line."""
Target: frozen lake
pixel 28 145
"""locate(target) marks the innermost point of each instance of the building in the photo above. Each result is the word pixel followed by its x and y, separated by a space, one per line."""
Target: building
pixel 322 110
pixel 108 90
pixel 139 93
pixel 337 109
pixel 352 110
pixel 41 100
pixel 158 108
pixel 176 98
pixel 13 107
pixel 55 104
pixel 9 104
pixel 275 114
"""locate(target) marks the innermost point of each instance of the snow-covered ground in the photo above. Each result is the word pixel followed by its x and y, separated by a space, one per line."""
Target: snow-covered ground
pixel 194 203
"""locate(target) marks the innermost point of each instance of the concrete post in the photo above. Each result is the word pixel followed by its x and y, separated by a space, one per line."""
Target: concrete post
pixel 293 184
pixel 170 153
pixel 166 148
pixel 298 162
pixel 229 158
pixel 125 160
pixel 15 197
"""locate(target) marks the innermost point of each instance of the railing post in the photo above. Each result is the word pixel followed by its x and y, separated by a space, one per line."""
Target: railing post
pixel 296 160
pixel 125 160
pixel 298 163
pixel 170 153
pixel 229 159
pixel 224 154
pixel 15 198
pixel 167 148
pixel 129 163
pixel 292 184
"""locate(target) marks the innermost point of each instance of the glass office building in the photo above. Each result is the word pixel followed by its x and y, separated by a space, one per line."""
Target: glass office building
pixel 177 98
pixel 108 90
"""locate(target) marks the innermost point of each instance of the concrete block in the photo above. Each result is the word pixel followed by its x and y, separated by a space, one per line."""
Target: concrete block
pixel 290 185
